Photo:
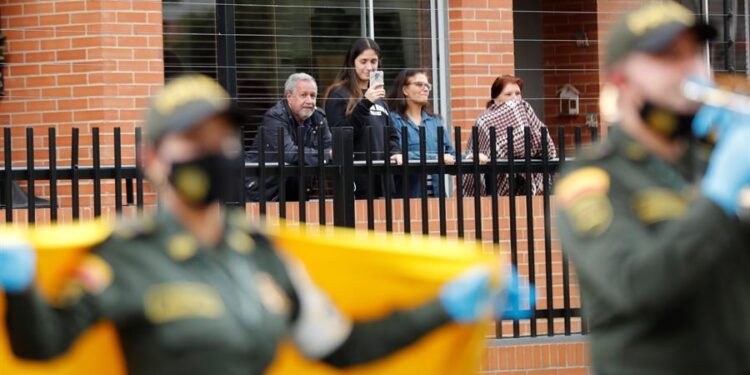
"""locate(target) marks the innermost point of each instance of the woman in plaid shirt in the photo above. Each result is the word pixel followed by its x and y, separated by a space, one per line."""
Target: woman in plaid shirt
pixel 506 109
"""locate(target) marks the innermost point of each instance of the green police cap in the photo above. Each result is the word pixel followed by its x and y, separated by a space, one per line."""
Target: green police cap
pixel 652 28
pixel 184 103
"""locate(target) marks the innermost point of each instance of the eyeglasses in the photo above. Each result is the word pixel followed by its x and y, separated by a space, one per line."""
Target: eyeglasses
pixel 422 85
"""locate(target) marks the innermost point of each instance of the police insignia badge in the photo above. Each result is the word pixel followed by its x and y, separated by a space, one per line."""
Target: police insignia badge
pixel 182 247
pixel 169 302
pixel 655 205
pixel 583 197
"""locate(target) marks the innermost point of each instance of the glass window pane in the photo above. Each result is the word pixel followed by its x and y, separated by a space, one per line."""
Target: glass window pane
pixel 275 38
pixel 189 37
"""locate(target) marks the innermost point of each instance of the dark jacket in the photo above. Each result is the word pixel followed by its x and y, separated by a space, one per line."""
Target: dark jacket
pixel 365 114
pixel 279 118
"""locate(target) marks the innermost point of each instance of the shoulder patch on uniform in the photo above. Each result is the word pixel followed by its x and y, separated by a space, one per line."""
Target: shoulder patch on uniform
pixel 94 274
pixel 583 197
pixel 658 204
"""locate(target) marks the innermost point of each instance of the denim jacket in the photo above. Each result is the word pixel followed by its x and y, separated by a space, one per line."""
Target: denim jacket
pixel 431 124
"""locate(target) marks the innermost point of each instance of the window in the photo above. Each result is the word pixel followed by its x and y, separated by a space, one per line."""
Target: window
pixel 251 47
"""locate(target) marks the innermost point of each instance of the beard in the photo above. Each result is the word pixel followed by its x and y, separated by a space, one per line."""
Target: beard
pixel 305 113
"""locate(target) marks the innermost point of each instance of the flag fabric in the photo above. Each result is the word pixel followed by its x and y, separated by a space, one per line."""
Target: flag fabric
pixel 366 274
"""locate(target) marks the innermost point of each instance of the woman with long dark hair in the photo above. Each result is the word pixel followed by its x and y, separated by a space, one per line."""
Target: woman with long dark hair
pixel 351 101
pixel 409 99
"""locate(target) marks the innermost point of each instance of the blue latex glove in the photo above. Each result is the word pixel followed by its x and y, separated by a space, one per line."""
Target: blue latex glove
pixel 518 299
pixel 17 264
pixel 729 168
pixel 467 298
pixel 717 119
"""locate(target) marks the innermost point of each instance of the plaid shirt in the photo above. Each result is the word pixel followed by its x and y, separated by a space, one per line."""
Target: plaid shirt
pixel 518 115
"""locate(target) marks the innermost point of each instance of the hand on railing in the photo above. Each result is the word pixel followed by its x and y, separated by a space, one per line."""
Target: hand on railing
pixel 483 159
pixel 449 159
pixel 398 159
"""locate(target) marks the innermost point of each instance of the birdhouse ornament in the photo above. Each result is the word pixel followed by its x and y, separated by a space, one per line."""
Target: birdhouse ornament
pixel 569 100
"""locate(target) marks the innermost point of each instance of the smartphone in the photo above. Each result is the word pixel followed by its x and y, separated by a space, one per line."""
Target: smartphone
pixel 376 78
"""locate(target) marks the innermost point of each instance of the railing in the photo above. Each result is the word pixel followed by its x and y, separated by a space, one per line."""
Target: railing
pixel 518 224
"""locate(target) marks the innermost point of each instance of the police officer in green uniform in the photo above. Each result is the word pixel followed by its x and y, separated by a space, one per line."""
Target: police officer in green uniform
pixel 649 217
pixel 194 289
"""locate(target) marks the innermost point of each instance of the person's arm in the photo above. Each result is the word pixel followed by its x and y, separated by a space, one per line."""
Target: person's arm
pixel 400 128
pixel 369 341
pixel 327 140
pixel 322 332
pixel 336 111
pixel 273 126
pixel 39 330
pixel 627 268
pixel 551 149
pixel 449 149
pixel 394 139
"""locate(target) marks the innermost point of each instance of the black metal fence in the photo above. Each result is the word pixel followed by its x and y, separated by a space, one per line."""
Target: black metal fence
pixel 509 221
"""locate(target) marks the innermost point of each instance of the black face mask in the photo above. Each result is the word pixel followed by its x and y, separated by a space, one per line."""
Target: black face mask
pixel 202 181
pixel 667 123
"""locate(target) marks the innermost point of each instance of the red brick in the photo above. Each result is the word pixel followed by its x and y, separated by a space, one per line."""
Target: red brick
pixel 131 17
pixel 23 45
pixel 40 81
pixel 72 79
pixel 85 18
pixel 39 56
pixel 73 54
pixel 69 6
pixel 55 44
pixel 21 22
pixel 54 20
pixel 24 70
pixel 41 105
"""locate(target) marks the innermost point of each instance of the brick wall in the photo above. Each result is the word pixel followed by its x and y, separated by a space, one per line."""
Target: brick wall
pixel 481 48
pixel 81 64
pixel 560 357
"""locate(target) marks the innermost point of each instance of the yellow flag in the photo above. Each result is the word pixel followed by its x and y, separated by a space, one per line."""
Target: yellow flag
pixel 366 274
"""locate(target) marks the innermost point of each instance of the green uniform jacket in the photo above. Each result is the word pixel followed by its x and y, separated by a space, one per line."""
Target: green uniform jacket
pixel 664 272
pixel 183 309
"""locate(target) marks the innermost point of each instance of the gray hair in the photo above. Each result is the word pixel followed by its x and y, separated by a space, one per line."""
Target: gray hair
pixel 291 82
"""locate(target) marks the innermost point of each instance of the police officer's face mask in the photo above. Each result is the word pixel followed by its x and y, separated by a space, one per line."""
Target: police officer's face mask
pixel 204 180
pixel 667 123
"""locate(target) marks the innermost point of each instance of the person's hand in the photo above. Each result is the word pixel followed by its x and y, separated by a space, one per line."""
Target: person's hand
pixel 397 158
pixel 17 264
pixel 729 168
pixel 449 159
pixel 715 119
pixel 483 159
pixel 518 298
pixel 468 298
pixel 375 92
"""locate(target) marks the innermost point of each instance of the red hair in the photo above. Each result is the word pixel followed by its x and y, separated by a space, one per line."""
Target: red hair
pixel 499 85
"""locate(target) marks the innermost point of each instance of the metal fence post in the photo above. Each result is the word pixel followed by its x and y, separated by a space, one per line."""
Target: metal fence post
pixel 343 193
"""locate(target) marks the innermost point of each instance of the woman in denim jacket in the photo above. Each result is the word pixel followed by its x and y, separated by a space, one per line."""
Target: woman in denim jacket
pixel 409 101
